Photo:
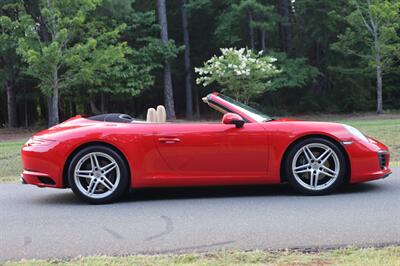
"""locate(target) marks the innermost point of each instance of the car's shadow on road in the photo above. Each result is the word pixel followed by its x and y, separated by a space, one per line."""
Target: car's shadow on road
pixel 157 194
pixel 283 190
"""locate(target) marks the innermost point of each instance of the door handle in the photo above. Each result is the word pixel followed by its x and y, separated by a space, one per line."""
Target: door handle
pixel 169 140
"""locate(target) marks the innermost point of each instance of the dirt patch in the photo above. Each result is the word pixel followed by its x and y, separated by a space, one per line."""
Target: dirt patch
pixel 17 133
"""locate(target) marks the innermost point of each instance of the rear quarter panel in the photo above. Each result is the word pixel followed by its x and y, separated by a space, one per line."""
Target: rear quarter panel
pixel 135 141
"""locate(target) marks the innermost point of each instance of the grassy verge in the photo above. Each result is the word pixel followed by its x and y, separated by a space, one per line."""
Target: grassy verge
pixel 386 131
pixel 368 256
pixel 10 162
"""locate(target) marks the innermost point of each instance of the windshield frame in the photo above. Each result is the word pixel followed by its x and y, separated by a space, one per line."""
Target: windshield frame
pixel 239 108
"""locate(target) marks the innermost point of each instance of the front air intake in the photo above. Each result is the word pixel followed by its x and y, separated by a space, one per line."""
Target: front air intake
pixel 382 158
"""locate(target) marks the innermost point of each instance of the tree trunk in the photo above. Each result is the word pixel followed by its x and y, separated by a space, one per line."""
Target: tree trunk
pixel 188 74
pixel 26 109
pixel 11 104
pixel 285 29
pixel 33 9
pixel 379 103
pixel 263 41
pixel 196 102
pixel 378 63
pixel 93 107
pixel 103 103
pixel 168 91
pixel 251 29
pixel 74 112
pixel 54 117
pixel 49 109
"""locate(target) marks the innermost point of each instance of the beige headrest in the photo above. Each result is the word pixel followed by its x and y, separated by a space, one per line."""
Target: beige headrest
pixel 151 115
pixel 161 114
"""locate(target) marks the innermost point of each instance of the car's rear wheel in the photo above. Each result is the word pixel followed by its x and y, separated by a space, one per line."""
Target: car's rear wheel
pixel 98 174
pixel 315 166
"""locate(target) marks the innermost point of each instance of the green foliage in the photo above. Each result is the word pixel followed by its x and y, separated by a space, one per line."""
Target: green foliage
pixel 145 54
pixel 295 72
pixel 240 72
pixel 233 24
pixel 230 28
pixel 68 59
pixel 372 35
pixel 10 31
pixel 109 52
pixel 87 53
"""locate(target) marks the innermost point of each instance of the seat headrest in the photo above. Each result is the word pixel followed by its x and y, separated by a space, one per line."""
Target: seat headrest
pixel 151 115
pixel 161 114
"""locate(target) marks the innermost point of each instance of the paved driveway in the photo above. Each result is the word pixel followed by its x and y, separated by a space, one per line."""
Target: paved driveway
pixel 42 223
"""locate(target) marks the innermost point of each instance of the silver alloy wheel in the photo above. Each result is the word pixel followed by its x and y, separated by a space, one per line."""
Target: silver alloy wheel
pixel 97 175
pixel 315 166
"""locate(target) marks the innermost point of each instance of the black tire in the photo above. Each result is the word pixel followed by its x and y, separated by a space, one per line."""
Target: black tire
pixel 120 188
pixel 333 183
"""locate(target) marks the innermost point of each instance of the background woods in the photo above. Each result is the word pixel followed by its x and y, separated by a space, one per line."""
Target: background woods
pixel 61 58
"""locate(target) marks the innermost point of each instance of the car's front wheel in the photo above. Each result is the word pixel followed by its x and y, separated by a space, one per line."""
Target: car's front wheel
pixel 315 166
pixel 98 174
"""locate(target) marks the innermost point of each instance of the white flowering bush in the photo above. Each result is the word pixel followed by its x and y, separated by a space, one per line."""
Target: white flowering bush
pixel 241 72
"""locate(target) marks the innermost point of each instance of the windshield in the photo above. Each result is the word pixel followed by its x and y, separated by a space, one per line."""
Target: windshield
pixel 255 114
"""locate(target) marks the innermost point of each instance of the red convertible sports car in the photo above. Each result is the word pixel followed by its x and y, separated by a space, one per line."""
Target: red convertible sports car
pixel 101 157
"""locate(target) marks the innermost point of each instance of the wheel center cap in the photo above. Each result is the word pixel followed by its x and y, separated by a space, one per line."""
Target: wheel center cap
pixel 315 165
pixel 97 174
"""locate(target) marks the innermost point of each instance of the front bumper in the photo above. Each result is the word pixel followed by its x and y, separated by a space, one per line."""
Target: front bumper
pixel 368 161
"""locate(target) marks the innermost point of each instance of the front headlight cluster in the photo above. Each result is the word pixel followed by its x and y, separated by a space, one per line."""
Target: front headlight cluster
pixel 355 132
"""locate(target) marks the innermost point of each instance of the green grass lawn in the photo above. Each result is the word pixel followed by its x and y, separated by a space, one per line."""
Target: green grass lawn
pixel 385 130
pixel 368 256
pixel 10 162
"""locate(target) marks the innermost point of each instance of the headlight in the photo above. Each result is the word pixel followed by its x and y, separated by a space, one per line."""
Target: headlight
pixel 35 141
pixel 355 132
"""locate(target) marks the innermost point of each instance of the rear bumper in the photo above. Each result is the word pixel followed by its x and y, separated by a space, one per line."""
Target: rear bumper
pixel 22 180
pixel 37 178
pixel 42 165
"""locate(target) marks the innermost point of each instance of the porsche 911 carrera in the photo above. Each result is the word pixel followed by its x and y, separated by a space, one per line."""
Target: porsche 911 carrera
pixel 102 157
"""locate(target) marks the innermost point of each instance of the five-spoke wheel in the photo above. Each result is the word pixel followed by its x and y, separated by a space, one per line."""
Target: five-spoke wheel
pixel 98 174
pixel 315 166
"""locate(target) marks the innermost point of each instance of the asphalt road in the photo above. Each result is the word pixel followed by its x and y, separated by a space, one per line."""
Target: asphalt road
pixel 48 223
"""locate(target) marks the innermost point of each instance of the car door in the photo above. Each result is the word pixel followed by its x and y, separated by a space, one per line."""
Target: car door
pixel 216 150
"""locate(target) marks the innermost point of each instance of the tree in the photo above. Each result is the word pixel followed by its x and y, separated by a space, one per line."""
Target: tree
pixel 373 36
pixel 241 72
pixel 135 73
pixel 295 72
pixel 10 63
pixel 187 73
pixel 285 10
pixel 257 15
pixel 168 90
pixel 265 20
pixel 55 54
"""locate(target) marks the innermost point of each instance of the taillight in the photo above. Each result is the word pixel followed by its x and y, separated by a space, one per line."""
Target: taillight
pixel 36 141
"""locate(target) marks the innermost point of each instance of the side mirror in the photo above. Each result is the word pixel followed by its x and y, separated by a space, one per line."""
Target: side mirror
pixel 232 118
